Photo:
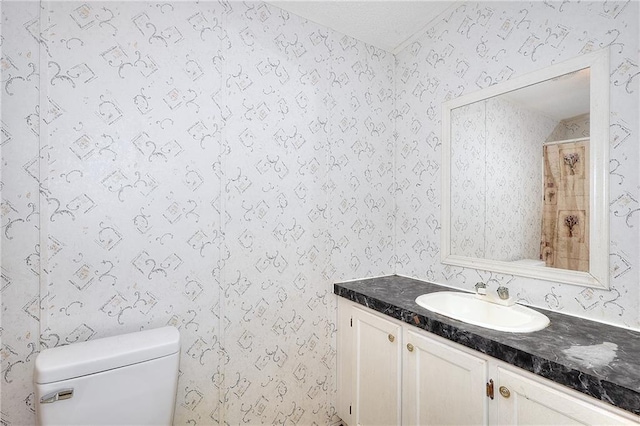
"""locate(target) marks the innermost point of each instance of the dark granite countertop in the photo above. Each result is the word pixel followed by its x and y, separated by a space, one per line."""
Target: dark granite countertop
pixel 596 359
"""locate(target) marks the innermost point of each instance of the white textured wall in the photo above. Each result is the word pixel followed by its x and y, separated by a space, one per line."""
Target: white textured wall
pixel 19 289
pixel 480 44
pixel 215 166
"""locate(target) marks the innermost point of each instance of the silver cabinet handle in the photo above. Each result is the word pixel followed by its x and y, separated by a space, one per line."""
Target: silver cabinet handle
pixel 57 396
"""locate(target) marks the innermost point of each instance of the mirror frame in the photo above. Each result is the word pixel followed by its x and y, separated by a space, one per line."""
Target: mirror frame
pixel 598 274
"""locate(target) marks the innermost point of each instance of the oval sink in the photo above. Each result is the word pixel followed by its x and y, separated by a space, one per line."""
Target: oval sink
pixel 470 309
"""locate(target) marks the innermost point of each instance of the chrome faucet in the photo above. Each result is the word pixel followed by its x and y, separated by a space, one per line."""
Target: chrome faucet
pixel 502 291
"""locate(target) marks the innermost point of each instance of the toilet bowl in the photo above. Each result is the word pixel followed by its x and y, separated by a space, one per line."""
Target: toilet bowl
pixel 129 379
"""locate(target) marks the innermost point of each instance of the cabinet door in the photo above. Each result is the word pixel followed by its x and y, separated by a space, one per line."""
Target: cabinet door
pixel 376 369
pixel 442 385
pixel 530 402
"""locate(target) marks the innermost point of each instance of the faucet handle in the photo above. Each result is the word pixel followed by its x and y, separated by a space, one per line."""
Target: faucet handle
pixel 503 292
pixel 481 288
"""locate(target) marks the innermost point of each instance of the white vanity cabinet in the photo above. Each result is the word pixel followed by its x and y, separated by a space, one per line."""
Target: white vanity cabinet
pixel 392 373
pixel 377 342
pixel 531 400
pixel 441 385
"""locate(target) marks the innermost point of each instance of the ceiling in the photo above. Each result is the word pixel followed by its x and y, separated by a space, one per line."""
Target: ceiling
pixel 392 25
pixel 387 24
pixel 559 98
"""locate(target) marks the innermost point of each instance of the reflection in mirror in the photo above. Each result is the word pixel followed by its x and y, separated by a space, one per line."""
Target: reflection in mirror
pixel 522 156
pixel 524 175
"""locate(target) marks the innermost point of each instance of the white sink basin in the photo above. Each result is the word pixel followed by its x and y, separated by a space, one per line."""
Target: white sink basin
pixel 470 309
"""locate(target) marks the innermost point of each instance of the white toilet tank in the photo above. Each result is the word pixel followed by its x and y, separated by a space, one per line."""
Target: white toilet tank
pixel 129 379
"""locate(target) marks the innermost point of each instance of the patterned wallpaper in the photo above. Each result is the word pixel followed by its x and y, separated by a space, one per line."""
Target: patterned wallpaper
pixel 215 166
pixel 514 159
pixel 20 249
pixel 496 180
pixel 479 44
pixel 572 128
pixel 468 177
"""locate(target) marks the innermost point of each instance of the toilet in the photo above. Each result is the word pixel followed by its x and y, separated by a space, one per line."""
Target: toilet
pixel 129 379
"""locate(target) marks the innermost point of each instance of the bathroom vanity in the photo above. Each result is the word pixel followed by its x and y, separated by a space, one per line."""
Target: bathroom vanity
pixel 399 363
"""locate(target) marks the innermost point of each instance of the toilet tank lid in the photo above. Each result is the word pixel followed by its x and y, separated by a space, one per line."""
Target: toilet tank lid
pixel 94 356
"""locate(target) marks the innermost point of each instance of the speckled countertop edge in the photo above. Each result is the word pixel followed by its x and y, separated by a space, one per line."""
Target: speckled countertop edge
pixel 549 353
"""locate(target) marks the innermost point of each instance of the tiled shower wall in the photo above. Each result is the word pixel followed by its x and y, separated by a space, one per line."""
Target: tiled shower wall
pixel 480 44
pixel 214 166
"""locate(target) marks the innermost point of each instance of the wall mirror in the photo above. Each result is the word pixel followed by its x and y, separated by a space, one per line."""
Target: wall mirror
pixel 525 175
